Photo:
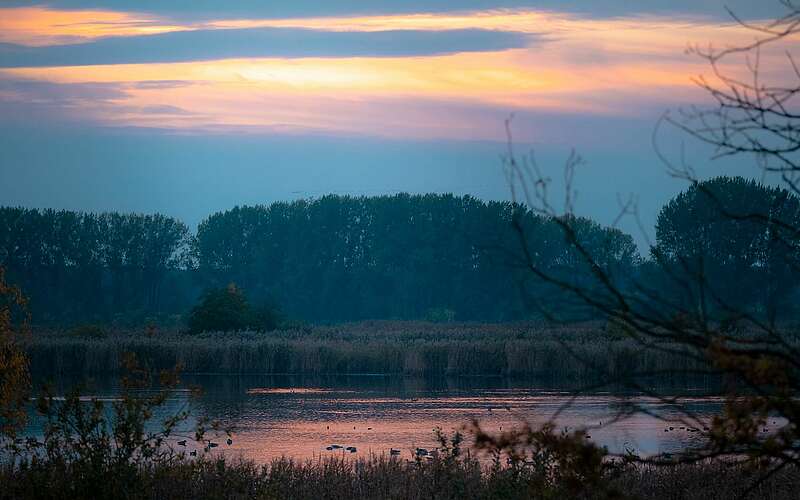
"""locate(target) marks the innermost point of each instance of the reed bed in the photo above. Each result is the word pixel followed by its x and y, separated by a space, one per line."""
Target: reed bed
pixel 715 480
pixel 576 352
pixel 385 478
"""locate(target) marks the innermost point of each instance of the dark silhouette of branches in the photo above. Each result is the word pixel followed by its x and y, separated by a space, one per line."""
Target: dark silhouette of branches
pixel 757 115
pixel 688 312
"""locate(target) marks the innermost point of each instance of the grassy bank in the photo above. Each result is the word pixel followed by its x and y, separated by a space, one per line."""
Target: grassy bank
pixel 411 348
pixel 381 478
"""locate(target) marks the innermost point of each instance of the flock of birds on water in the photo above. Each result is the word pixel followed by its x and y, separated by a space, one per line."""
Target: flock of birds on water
pixel 431 454
pixel 209 446
pixel 418 452
pixel 424 452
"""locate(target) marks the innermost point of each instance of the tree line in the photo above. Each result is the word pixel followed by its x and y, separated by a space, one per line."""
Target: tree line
pixel 342 258
pixel 78 266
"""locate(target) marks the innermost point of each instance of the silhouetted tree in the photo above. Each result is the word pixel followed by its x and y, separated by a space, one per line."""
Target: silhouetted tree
pixel 80 266
pixel 343 258
pixel 711 230
pixel 227 309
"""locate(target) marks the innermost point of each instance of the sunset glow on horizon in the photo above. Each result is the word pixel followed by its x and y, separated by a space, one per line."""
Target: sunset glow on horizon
pixel 568 64
pixel 561 63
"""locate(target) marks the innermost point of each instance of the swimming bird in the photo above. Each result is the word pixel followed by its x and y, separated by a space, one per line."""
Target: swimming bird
pixel 351 449
pixel 392 451
pixel 193 453
pixel 212 444
pixel 229 441
pixel 182 443
pixel 421 452
pixel 369 428
pixel 336 447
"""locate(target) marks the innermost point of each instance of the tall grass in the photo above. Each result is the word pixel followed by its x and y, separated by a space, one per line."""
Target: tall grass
pixel 384 478
pixel 388 347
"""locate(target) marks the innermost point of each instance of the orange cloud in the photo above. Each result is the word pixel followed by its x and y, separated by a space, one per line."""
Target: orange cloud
pixel 609 67
pixel 362 94
pixel 39 26
pixel 524 21
pixel 486 76
pixel 46 26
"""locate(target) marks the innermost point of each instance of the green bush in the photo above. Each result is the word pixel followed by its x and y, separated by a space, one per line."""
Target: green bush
pixel 227 309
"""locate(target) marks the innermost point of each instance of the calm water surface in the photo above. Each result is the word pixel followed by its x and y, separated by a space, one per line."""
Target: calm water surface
pixel 300 418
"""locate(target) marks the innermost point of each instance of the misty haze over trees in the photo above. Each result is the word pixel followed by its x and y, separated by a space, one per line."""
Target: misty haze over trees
pixel 436 257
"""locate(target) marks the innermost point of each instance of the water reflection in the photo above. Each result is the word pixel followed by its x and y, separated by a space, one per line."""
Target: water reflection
pixel 302 417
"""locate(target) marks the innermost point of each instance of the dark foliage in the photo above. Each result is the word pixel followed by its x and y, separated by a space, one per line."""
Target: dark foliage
pixel 332 259
pixel 435 257
pixel 716 230
pixel 400 257
pixel 380 478
pixel 84 267
pixel 14 373
pixel 227 309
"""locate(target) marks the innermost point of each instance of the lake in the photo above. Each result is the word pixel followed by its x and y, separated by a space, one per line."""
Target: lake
pixel 298 417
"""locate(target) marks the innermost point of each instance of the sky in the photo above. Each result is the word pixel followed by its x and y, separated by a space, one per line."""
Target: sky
pixel 186 107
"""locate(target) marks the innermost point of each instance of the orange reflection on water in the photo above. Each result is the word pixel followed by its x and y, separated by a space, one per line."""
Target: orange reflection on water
pixel 282 390
pixel 302 425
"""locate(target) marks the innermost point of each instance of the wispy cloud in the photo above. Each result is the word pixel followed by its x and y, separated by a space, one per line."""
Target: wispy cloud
pixel 419 97
pixel 41 26
pixel 418 74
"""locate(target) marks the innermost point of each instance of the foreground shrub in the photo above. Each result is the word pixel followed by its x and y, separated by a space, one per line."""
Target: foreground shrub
pixel 14 373
pixel 91 449
pixel 386 478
